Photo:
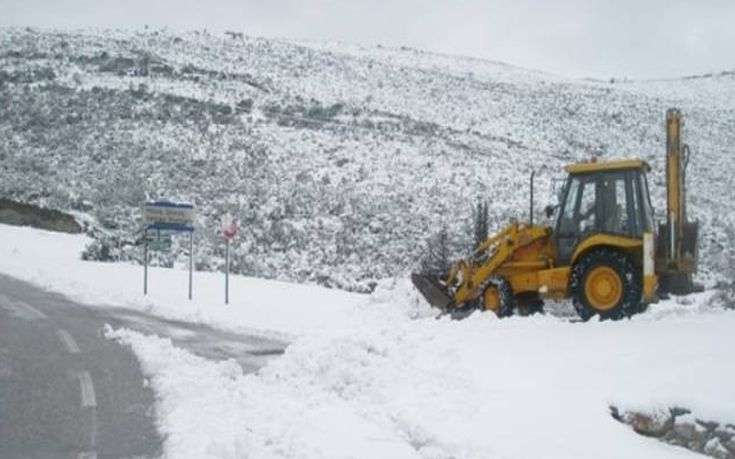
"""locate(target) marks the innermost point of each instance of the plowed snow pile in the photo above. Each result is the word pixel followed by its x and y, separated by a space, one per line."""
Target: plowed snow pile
pixel 386 385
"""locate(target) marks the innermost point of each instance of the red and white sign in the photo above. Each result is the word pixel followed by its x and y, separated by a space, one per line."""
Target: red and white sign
pixel 229 227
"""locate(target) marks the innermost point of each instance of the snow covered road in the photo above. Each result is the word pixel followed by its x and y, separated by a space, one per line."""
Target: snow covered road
pixel 65 391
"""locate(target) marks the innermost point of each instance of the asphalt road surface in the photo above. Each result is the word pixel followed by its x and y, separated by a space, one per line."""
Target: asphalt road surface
pixel 67 392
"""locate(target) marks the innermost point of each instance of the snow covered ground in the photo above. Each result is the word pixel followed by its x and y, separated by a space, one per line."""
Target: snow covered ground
pixel 379 376
pixel 52 260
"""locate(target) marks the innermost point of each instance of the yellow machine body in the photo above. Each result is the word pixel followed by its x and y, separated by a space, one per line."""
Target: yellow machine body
pixel 526 257
pixel 603 251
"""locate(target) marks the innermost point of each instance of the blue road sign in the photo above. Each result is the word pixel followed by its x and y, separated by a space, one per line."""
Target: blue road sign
pixel 165 216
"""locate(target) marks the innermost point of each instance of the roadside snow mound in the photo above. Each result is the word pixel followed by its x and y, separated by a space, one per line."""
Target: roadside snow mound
pixel 400 384
pixel 51 260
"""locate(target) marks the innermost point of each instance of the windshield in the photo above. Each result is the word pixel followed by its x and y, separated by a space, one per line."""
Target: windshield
pixel 567 202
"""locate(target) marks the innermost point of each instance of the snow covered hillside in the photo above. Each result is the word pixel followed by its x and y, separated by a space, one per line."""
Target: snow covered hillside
pixel 377 375
pixel 338 159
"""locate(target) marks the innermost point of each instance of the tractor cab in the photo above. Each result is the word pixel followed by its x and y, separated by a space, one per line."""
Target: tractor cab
pixel 602 197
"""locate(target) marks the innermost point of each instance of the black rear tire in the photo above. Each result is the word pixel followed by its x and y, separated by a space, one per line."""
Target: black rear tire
pixel 630 275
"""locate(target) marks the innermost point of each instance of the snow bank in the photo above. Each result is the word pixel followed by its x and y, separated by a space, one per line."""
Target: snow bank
pixel 210 409
pixel 402 384
pixel 52 261
pixel 520 387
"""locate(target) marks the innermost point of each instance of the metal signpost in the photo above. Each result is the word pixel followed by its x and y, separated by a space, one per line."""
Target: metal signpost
pixel 163 218
pixel 229 231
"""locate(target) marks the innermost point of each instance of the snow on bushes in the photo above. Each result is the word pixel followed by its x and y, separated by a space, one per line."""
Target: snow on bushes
pixel 339 160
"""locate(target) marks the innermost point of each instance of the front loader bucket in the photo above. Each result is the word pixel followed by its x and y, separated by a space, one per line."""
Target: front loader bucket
pixel 431 290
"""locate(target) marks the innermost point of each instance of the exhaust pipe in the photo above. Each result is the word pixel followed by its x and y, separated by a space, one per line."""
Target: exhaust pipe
pixel 530 216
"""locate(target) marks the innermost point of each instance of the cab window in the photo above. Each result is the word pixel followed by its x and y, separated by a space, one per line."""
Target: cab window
pixel 566 217
pixel 620 206
pixel 586 220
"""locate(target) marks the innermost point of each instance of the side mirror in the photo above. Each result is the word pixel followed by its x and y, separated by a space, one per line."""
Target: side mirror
pixel 549 210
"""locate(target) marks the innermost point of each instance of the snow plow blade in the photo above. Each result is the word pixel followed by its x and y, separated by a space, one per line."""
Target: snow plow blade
pixel 432 291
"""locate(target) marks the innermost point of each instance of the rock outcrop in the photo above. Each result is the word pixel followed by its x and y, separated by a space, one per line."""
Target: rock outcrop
pixel 678 426
pixel 21 214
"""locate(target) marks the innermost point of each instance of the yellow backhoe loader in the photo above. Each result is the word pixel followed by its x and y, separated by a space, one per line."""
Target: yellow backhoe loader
pixel 603 251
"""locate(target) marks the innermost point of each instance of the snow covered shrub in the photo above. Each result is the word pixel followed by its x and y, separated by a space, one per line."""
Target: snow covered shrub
pixel 726 296
pixel 244 106
pixel 100 250
pixel 320 112
pixel 435 260
pixel 723 259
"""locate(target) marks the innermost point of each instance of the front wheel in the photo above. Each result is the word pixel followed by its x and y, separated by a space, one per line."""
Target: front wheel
pixel 607 283
pixel 498 297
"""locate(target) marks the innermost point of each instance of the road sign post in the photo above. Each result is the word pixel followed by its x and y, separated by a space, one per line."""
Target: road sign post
pixel 191 261
pixel 229 231
pixel 145 262
pixel 227 273
pixel 165 218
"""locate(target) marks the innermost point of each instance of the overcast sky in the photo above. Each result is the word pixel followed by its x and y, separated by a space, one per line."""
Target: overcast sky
pixel 580 38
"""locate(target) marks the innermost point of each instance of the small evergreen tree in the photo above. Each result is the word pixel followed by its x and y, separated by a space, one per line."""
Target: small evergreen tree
pixel 435 260
pixel 480 220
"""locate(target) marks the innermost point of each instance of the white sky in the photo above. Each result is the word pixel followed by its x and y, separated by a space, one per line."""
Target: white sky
pixel 596 38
